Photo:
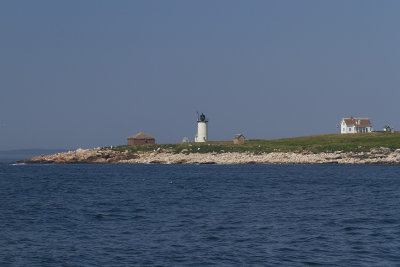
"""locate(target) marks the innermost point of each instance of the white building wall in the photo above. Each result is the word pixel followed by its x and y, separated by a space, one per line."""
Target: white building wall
pixel 202 131
pixel 345 129
pixel 348 129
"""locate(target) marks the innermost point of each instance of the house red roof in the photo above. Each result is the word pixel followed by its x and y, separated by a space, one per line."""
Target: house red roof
pixel 141 136
pixel 359 122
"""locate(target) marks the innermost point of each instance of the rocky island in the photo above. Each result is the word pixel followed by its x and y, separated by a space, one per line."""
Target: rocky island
pixel 373 148
pixel 376 156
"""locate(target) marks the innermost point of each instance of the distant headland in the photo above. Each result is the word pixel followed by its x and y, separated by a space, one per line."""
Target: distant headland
pixel 361 148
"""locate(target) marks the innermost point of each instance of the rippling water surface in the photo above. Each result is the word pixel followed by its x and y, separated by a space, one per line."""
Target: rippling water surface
pixel 171 215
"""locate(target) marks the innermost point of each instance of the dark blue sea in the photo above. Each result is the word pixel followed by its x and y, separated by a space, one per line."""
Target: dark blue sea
pixel 199 215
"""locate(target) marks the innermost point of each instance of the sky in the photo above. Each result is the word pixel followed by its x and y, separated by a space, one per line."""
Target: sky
pixel 91 73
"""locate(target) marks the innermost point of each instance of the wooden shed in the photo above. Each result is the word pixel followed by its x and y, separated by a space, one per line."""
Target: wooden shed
pixel 239 139
pixel 141 139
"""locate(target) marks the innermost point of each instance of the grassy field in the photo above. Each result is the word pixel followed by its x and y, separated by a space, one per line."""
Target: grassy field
pixel 317 143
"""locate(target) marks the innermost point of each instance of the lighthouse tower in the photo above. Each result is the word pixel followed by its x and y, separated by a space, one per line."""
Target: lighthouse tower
pixel 202 131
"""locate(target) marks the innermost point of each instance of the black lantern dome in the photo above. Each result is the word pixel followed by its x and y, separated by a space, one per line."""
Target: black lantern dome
pixel 202 117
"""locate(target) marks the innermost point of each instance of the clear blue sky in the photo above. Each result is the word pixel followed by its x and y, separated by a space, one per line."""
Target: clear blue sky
pixel 91 73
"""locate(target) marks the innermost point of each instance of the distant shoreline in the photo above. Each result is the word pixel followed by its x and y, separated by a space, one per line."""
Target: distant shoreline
pixel 19 154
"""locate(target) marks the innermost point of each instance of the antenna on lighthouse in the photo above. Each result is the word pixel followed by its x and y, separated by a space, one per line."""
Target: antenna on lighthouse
pixel 198 117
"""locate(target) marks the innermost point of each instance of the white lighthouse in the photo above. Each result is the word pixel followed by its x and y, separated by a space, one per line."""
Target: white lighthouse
pixel 202 131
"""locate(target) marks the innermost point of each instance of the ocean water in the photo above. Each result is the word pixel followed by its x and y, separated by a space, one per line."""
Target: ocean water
pixel 199 215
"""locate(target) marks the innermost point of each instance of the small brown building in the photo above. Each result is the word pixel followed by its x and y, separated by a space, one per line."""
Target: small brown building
pixel 141 139
pixel 239 139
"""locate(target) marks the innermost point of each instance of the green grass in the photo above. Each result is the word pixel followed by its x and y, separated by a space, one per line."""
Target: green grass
pixel 317 143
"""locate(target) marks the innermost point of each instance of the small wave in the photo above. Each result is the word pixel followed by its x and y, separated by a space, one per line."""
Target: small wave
pixel 18 164
pixel 311 263
pixel 212 238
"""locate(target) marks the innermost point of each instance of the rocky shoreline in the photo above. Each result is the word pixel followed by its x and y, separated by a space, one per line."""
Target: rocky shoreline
pixel 160 156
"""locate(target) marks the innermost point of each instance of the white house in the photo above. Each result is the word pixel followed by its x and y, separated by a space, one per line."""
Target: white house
pixel 355 125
